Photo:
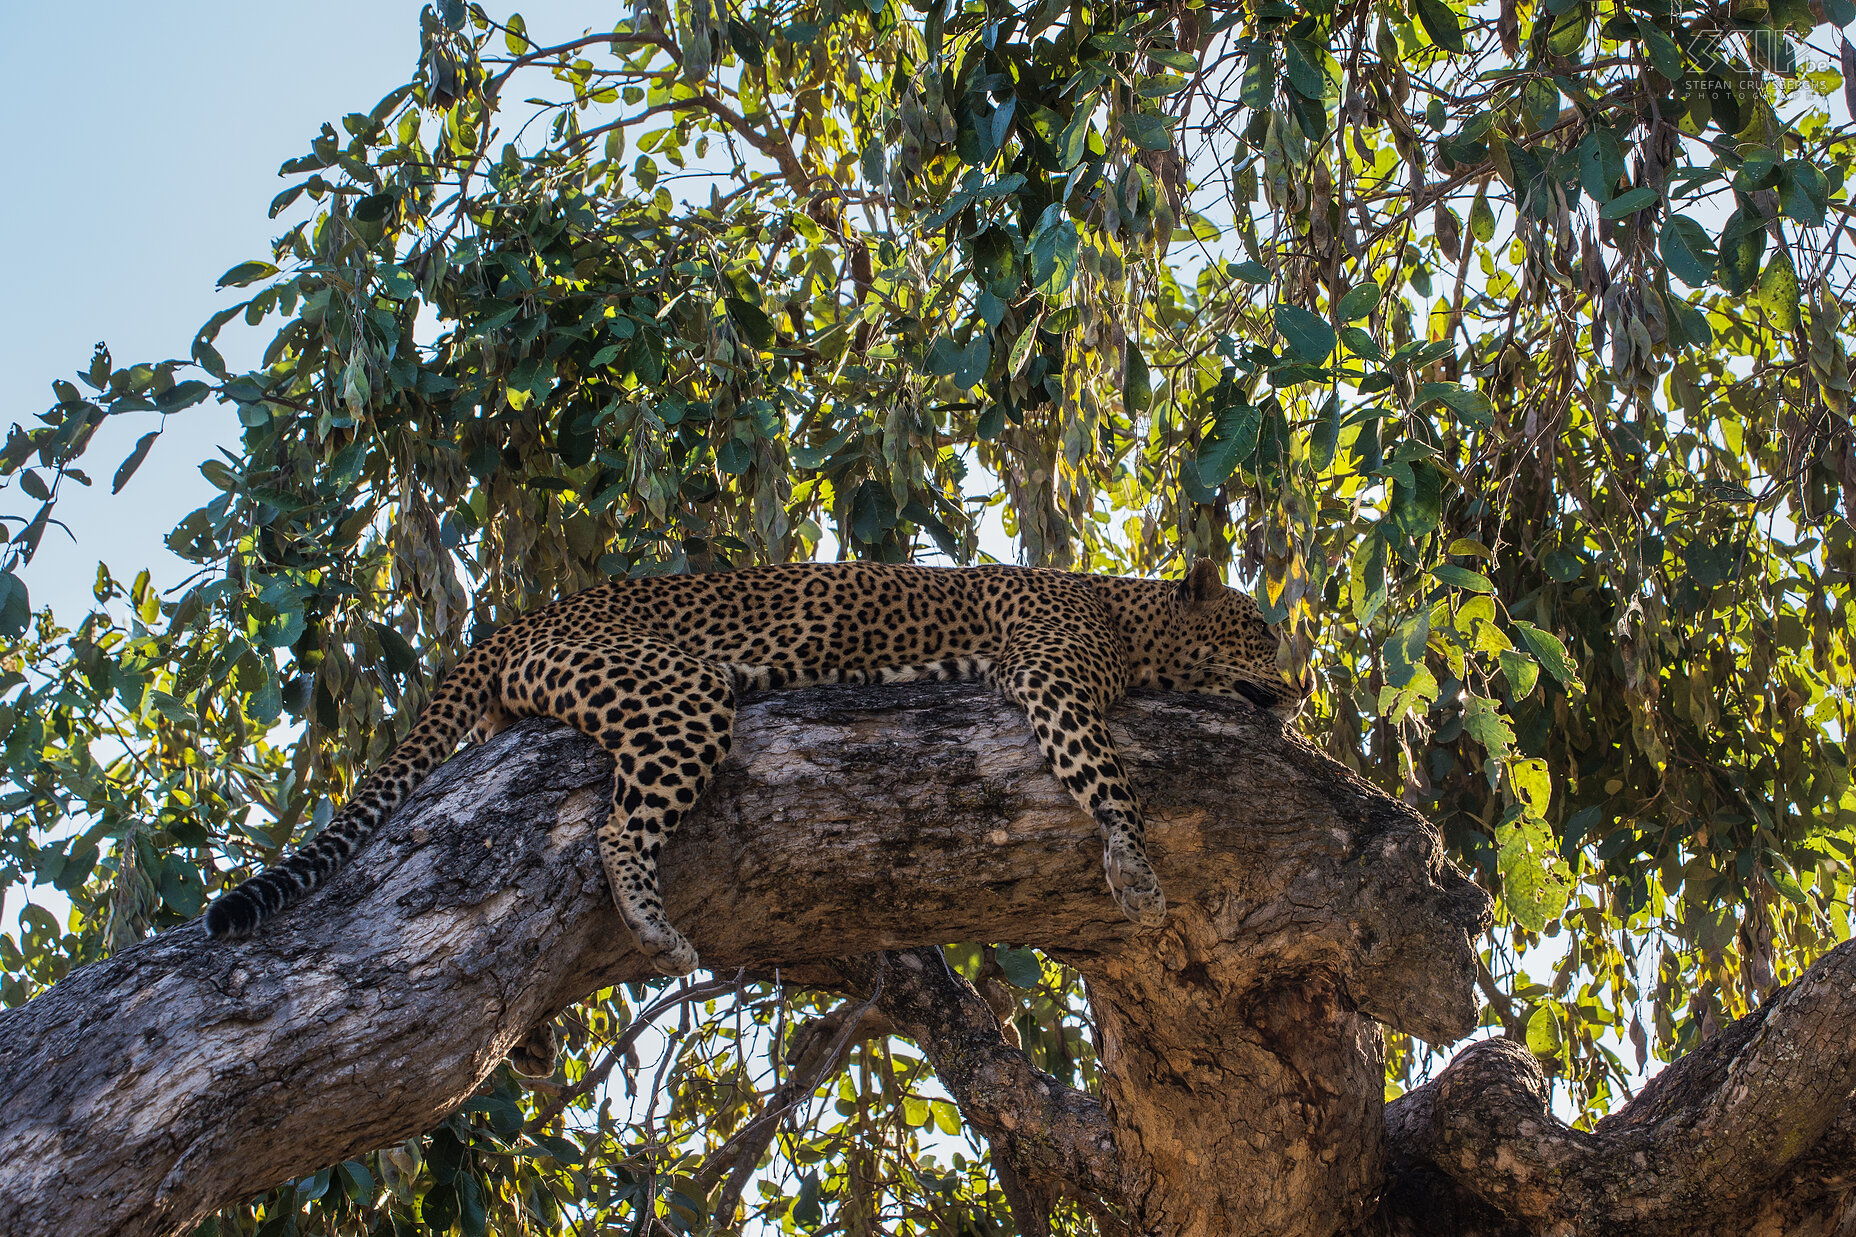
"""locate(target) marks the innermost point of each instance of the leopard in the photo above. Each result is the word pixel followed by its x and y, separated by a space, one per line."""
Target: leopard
pixel 654 669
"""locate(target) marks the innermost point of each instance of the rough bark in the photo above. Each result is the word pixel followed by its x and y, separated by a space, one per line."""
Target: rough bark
pixel 1240 1052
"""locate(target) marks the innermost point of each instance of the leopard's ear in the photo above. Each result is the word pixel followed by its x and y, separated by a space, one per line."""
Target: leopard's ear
pixel 1200 585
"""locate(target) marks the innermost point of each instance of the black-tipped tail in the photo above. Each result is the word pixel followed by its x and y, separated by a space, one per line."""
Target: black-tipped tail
pixel 232 916
pixel 457 704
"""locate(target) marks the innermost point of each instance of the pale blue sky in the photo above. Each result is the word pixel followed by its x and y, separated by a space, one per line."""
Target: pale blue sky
pixel 145 140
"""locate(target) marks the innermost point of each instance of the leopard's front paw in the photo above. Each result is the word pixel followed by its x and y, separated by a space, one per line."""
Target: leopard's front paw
pixel 1136 888
pixel 669 952
pixel 534 1056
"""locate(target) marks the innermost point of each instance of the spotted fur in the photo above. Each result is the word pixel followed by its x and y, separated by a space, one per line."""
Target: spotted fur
pixel 654 668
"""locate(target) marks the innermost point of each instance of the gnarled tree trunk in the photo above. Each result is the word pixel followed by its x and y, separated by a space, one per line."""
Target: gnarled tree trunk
pixel 1239 1044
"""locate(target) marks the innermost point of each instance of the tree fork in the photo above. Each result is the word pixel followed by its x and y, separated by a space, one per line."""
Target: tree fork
pixel 1754 1131
pixel 180 1075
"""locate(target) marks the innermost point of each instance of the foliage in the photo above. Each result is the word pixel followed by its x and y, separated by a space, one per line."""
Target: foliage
pixel 1503 349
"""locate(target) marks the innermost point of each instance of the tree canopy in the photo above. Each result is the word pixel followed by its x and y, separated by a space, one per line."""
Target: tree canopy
pixel 1499 351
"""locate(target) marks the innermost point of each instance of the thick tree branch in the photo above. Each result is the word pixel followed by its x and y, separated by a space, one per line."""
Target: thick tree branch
pixel 180 1076
pixel 1049 1136
pixel 1744 1126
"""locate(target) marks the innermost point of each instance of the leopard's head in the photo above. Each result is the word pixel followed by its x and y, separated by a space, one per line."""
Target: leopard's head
pixel 1226 646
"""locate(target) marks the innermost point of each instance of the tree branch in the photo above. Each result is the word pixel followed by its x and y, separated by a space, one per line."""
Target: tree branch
pixel 181 1075
pixel 1042 1131
pixel 1746 1120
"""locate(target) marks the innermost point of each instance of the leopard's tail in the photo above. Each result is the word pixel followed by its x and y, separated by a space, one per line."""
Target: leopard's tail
pixel 457 704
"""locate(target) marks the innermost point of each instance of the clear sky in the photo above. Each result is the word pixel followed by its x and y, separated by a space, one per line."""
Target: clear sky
pixel 144 141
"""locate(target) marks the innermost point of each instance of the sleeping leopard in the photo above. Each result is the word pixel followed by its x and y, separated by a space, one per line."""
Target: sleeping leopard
pixel 653 669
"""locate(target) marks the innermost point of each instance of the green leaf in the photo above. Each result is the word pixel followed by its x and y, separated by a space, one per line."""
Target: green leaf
pixel 971 362
pixel 1759 170
pixel 1442 24
pixel 266 704
pixel 282 201
pixel 1185 62
pixel 1404 650
pixel 735 457
pixel 280 630
pixel 1417 507
pixel 1311 70
pixel 1136 383
pixel 1665 56
pixel 1309 336
pixel 1778 292
pixel 1483 722
pixel 357 1181
pixel 1535 883
pixel 1548 651
pixel 1147 131
pixel 374 207
pixel 1325 437
pixel 750 321
pixel 246 273
pixel 1629 203
pixel 1233 441
pixel 1743 244
pixel 399 655
pixel 1250 271
pixel 1543 1033
pixel 1022 967
pixel 15 605
pixel 1463 578
pixel 515 34
pixel 1687 251
pixel 1361 344
pixel 1053 259
pixel 807 1213
pixel 873 512
pixel 1563 565
pixel 1470 404
pixel 473 1218
pixel 1481 218
pixel 504 1117
pixel 1073 143
pixel 1259 86
pixel 1533 784
pixel 1601 164
pixel 1773 51
pixel 1804 193
pixel 1359 302
pixel 181 886
pixel 127 468
pixel 175 709
pixel 1021 350
pixel 1846 59
pixel 1522 672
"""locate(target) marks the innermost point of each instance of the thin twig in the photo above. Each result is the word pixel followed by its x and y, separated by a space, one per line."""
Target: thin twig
pixel 598 1075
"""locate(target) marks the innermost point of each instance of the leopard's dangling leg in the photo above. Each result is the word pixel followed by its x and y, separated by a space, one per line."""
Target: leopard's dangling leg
pixel 664 756
pixel 1081 753
pixel 668 719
